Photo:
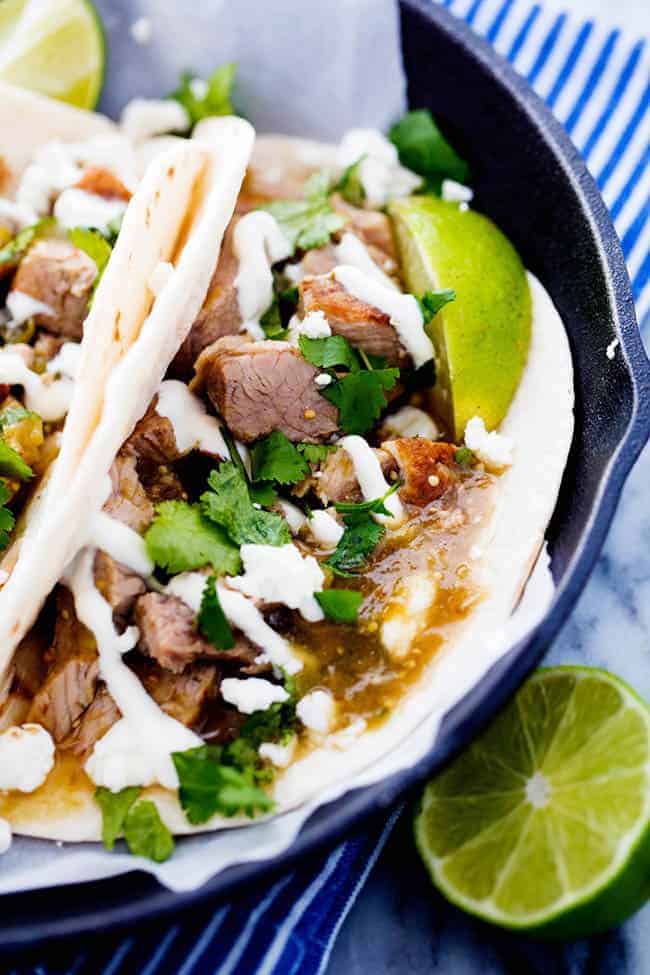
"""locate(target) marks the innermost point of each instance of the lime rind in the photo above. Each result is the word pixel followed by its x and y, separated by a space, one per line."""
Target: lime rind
pixel 577 865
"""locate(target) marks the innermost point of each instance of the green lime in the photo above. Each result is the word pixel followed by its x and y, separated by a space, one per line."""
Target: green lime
pixel 56 48
pixel 481 339
pixel 543 823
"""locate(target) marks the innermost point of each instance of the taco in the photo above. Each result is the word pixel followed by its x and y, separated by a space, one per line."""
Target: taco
pixel 281 540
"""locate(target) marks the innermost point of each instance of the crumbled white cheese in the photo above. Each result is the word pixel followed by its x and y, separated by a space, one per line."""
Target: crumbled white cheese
pixel 26 757
pixel 160 277
pixel 323 379
pixel 402 309
pixel 353 251
pixel 454 192
pixel 316 711
pixel 292 515
pixel 48 397
pixel 252 693
pixel 494 449
pixel 407 612
pixel 611 348
pixel 280 574
pixel 314 326
pixel 16 215
pixel 141 30
pixel 194 427
pixel 22 306
pixel 409 421
pixel 66 361
pixel 278 755
pixel 139 752
pixel 77 208
pixel 369 474
pixel 5 835
pixel 258 243
pixel 325 529
pixel 143 118
pixel 382 176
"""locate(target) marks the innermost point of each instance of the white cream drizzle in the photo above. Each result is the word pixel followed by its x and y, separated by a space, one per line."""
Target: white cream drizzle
pixel 370 476
pixel 22 306
pixel 194 427
pixel 325 529
pixel 293 516
pixel 50 399
pixel 78 208
pixel 120 542
pixel 66 361
pixel 403 310
pixel 258 243
pixel 353 252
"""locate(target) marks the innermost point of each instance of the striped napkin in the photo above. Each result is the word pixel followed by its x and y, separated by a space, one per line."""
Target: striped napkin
pixel 596 80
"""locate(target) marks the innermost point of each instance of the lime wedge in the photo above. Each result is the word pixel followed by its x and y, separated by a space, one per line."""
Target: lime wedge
pixel 543 823
pixel 481 339
pixel 56 48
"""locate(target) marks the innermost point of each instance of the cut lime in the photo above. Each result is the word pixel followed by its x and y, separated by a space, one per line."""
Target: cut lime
pixel 543 823
pixel 481 339
pixel 56 48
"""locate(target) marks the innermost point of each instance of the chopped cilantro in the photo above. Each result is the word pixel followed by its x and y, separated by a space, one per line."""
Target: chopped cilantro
pixel 95 245
pixel 360 538
pixel 350 186
pixel 200 98
pixel 212 619
pixel 375 506
pixel 423 148
pixel 145 833
pixel 464 457
pixel 12 464
pixel 7 520
pixel 432 302
pixel 263 493
pixel 277 723
pixel 113 228
pixel 275 458
pixel 310 222
pixel 361 397
pixel 181 539
pixel 14 250
pixel 14 415
pixel 340 605
pixel 207 785
pixel 329 352
pixel 314 453
pixel 114 807
pixel 271 322
pixel 229 504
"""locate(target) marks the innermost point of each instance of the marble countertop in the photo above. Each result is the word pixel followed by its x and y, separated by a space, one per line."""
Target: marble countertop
pixel 400 924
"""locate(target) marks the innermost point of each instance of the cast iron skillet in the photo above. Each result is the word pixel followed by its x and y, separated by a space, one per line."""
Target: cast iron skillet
pixel 530 180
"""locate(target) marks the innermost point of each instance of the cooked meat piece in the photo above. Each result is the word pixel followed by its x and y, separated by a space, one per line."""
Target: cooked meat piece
pixel 72 677
pixel 258 387
pixel 47 346
pixel 371 226
pixel 128 501
pixel 361 324
pixel 62 277
pixel 181 696
pixel 320 260
pixel 220 313
pixel 153 439
pixel 168 632
pixel 30 665
pixel 119 586
pixel 337 480
pixel 99 716
pixel 102 182
pixel 427 467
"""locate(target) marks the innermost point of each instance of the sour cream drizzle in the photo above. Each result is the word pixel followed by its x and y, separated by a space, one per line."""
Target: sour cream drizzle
pixel 370 476
pixel 403 310
pixel 50 399
pixel 353 252
pixel 120 542
pixel 258 243
pixel 194 428
pixel 78 208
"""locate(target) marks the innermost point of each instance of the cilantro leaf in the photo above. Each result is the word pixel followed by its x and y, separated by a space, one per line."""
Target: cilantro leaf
pixel 329 352
pixel 360 397
pixel 145 833
pixel 350 186
pixel 360 538
pixel 229 504
pixel 263 493
pixel 275 458
pixel 207 786
pixel 310 222
pixel 277 723
pixel 340 605
pixel 314 453
pixel 96 246
pixel 271 321
pixel 432 302
pixel 12 464
pixel 7 520
pixel 181 539
pixel 423 148
pixel 14 250
pixel 212 619
pixel 375 506
pixel 200 99
pixel 464 457
pixel 114 807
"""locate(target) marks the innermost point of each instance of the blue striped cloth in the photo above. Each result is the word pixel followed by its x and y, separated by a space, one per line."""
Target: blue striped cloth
pixel 596 80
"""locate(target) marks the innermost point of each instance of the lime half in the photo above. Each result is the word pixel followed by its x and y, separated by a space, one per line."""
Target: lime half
pixel 481 339
pixel 55 48
pixel 543 823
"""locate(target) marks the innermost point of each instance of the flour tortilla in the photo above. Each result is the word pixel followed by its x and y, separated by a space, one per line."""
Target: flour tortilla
pixel 540 422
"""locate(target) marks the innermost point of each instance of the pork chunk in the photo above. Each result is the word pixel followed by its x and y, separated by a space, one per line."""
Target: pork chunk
pixel 128 501
pixel 168 632
pixel 336 480
pixel 61 276
pixel 119 586
pixel 427 467
pixel 102 182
